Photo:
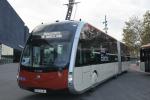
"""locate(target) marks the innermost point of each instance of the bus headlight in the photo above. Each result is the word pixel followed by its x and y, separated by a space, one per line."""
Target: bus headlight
pixel 70 78
pixel 17 76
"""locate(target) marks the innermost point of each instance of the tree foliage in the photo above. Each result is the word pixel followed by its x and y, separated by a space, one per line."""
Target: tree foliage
pixel 132 34
pixel 146 30
pixel 137 32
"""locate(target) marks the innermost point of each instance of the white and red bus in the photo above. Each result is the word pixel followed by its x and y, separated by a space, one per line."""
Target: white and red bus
pixel 70 55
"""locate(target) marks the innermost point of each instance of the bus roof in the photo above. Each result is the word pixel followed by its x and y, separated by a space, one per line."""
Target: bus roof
pixel 39 27
pixel 42 26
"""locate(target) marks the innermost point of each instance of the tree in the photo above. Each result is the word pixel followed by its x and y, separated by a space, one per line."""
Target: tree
pixel 132 34
pixel 146 28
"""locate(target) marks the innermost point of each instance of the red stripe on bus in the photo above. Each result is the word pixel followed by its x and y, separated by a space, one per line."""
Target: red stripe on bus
pixel 50 80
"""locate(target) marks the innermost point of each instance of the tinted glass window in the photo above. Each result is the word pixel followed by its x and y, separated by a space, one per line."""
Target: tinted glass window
pixel 49 46
pixel 125 53
pixel 46 54
pixel 95 47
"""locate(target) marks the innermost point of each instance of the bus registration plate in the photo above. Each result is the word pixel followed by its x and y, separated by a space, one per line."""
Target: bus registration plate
pixel 40 91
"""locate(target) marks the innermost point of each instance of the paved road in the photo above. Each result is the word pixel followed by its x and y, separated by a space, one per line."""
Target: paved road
pixel 129 86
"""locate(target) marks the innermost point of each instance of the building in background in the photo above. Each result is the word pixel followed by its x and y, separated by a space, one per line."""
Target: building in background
pixel 6 51
pixel 13 32
pixel 6 54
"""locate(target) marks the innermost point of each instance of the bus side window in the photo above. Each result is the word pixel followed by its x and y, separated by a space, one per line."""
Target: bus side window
pixel 113 58
pixel 83 49
pixel 123 58
pixel 79 57
pixel 82 55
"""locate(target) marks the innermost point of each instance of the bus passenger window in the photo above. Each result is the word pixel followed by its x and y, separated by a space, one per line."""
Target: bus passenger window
pixel 78 61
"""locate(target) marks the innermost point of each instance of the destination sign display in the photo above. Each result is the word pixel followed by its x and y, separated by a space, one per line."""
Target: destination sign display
pixel 51 35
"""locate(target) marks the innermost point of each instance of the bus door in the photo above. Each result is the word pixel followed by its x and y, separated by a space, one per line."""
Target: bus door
pixel 147 61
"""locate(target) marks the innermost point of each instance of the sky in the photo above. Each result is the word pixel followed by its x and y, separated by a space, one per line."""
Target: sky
pixel 35 12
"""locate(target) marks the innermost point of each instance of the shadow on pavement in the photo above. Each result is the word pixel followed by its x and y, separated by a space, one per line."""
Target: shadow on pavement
pixel 57 96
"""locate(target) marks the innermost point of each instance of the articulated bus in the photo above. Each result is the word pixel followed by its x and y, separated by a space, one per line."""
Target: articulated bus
pixel 145 58
pixel 70 55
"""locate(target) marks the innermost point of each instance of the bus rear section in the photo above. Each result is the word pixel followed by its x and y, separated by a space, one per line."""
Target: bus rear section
pixel 45 59
pixel 145 58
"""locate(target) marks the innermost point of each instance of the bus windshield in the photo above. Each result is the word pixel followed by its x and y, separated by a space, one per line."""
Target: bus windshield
pixel 49 47
pixel 41 53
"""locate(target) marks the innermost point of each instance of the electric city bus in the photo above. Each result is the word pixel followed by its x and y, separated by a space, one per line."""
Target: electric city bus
pixel 145 58
pixel 70 55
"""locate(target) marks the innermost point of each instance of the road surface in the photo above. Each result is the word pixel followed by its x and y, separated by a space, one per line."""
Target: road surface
pixel 132 85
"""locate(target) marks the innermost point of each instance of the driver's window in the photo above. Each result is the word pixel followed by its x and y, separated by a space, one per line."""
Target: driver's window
pixel 26 60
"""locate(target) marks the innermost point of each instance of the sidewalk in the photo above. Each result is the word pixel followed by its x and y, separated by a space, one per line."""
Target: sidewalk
pixel 135 67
